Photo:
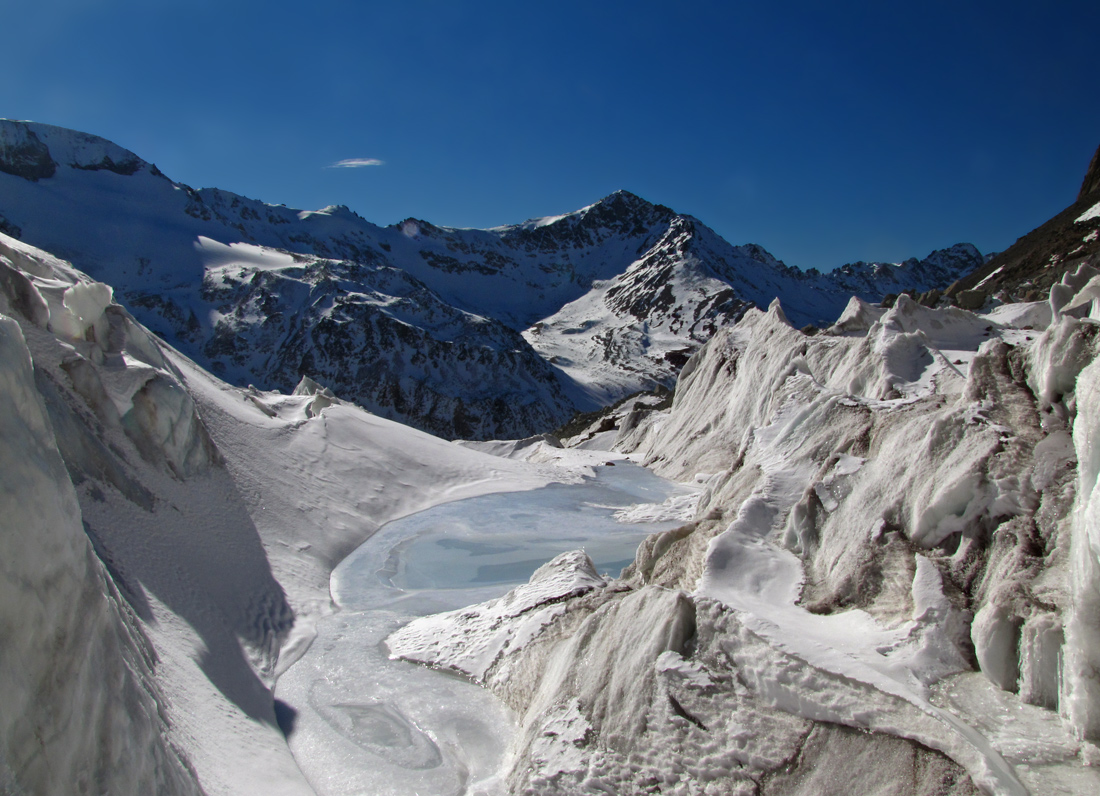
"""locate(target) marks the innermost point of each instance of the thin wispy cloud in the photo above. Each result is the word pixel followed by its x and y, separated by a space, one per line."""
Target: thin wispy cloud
pixel 355 163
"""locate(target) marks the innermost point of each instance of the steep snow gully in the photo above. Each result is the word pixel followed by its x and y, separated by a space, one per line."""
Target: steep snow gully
pixel 890 584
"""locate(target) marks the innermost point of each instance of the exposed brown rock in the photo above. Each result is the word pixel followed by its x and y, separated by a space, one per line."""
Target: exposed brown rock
pixel 1091 183
pixel 971 299
pixel 1040 258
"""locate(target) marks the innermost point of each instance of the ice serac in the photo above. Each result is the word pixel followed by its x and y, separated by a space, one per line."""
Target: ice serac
pixel 888 549
pixel 502 332
pixel 1082 635
pixel 141 621
pixel 81 700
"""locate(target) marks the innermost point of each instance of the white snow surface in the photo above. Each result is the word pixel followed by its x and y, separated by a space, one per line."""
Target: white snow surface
pixel 219 513
pixel 1089 215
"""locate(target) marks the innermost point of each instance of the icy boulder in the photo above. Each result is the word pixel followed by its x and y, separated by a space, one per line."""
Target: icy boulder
pixel 858 317
pixel 471 641
pixel 80 702
pixel 84 304
pixel 322 396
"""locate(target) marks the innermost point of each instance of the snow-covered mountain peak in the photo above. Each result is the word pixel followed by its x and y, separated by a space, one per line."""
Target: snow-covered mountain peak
pixel 334 211
pixel 619 214
pixel 34 151
pixel 611 298
pixel 624 211
pixel 418 227
pixel 760 254
pixel 953 255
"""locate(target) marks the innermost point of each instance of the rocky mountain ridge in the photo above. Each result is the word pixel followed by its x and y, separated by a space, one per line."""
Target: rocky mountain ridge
pixel 1026 270
pixel 414 321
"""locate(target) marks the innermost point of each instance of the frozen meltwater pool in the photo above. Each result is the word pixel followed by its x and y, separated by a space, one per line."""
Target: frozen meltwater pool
pixel 363 724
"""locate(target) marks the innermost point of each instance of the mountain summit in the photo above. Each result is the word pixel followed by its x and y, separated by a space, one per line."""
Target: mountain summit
pixel 497 332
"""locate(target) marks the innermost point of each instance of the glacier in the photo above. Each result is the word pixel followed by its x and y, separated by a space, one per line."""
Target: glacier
pixel 193 524
pixel 890 582
pixel 894 546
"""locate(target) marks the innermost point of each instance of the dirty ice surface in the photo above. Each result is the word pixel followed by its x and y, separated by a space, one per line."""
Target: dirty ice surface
pixel 361 723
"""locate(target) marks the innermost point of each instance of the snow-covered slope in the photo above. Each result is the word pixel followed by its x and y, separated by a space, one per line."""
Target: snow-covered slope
pixel 890 586
pixel 167 540
pixel 613 297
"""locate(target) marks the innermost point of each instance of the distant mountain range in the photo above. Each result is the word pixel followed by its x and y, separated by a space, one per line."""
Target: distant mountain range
pixel 466 333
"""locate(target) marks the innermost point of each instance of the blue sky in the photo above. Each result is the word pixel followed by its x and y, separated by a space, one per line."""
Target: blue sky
pixel 826 132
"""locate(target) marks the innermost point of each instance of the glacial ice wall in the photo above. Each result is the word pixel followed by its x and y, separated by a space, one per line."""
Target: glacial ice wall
pixel 81 704
pixel 143 627
pixel 1081 689
pixel 891 583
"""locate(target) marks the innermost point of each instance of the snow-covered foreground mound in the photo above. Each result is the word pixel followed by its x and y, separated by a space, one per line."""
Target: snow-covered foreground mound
pixel 166 543
pixel 892 584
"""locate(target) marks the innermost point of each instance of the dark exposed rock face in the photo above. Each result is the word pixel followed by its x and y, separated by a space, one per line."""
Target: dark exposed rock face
pixel 23 155
pixel 9 228
pixel 1027 269
pixel 1091 183
pixel 375 336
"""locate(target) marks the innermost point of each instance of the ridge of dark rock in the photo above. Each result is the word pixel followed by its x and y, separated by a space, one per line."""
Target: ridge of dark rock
pixel 1091 183
pixel 1026 270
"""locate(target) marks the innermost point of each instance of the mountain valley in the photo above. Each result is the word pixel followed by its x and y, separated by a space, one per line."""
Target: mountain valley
pixel 874 564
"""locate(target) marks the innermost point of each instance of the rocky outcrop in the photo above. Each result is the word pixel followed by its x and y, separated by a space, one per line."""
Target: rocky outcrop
pixel 1091 184
pixel 23 155
pixel 1027 269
